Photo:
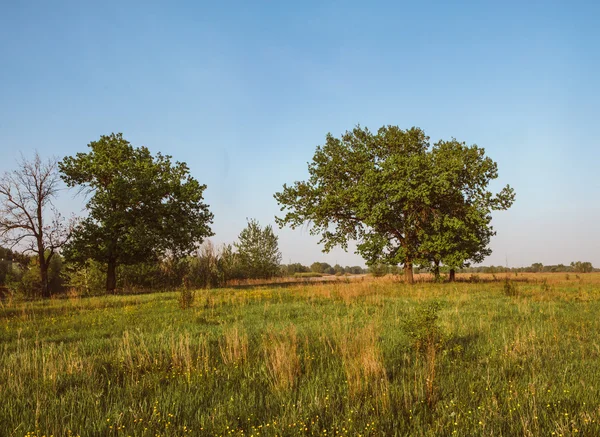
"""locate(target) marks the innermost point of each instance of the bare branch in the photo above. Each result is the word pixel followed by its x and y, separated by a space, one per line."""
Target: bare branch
pixel 26 194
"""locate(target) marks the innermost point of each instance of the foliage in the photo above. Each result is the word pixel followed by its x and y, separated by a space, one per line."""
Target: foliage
pixel 23 279
pixel 534 268
pixel 211 267
pixel 427 338
pixel 86 279
pixel 26 195
pixel 582 267
pixel 6 264
pixel 321 267
pixel 403 201
pixel 292 269
pixel 258 251
pixel 459 229
pixel 378 269
pixel 422 327
pixel 141 207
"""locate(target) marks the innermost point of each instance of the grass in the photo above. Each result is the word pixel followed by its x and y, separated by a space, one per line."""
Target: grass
pixel 370 357
pixel 308 275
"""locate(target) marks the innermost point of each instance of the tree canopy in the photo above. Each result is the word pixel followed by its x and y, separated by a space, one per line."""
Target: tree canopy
pixel 402 200
pixel 140 207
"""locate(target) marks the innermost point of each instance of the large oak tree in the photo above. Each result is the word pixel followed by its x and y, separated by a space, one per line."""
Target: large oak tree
pixel 140 208
pixel 401 200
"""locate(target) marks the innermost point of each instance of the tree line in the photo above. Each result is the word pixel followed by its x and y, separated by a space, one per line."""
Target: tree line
pixel 146 226
pixel 573 267
pixel 403 201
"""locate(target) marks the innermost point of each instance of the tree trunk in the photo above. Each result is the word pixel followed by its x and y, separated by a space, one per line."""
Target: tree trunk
pixel 452 275
pixel 408 273
pixel 111 276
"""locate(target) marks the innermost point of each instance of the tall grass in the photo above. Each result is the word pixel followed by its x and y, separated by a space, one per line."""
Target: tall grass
pixel 282 359
pixel 368 357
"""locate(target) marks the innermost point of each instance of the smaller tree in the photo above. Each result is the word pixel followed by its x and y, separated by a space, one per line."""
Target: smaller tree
pixel 28 220
pixel 258 251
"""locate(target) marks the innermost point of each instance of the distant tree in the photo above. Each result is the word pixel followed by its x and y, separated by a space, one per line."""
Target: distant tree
pixel 387 190
pixel 582 267
pixel 537 267
pixel 294 268
pixel 316 267
pixel 378 270
pixel 28 220
pixel 338 269
pixel 258 251
pixel 355 270
pixel 319 267
pixel 141 207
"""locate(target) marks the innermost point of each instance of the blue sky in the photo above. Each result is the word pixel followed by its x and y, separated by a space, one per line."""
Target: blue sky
pixel 244 92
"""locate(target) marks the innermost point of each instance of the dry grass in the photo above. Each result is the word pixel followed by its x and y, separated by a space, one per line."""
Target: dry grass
pixel 362 359
pixel 234 346
pixel 282 359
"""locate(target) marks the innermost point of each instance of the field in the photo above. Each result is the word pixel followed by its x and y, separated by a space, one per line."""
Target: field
pixel 368 357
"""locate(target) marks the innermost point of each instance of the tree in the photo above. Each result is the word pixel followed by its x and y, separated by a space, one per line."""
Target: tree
pixel 387 191
pixel 537 267
pixel 28 219
pixel 459 230
pixel 294 268
pixel 258 251
pixel 582 267
pixel 141 207
pixel 318 267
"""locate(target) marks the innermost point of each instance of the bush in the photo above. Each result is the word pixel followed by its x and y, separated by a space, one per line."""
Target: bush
pixel 423 329
pixel 510 288
pixel 186 298
pixel 427 339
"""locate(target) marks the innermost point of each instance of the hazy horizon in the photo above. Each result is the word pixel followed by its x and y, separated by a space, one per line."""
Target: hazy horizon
pixel 245 94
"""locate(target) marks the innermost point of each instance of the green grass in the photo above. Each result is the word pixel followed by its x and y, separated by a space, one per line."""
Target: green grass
pixel 308 275
pixel 325 359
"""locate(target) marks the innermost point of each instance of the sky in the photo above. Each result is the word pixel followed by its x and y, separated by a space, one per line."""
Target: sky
pixel 245 91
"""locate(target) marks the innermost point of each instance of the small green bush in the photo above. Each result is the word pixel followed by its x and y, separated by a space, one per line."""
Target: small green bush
pixel 423 328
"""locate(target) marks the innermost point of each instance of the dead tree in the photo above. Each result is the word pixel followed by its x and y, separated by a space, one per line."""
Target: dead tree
pixel 29 222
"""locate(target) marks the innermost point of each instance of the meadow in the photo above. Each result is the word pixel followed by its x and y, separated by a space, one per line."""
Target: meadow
pixel 516 355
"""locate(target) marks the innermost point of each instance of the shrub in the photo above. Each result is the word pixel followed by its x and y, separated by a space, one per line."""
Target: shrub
pixel 427 338
pixel 510 288
pixel 186 298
